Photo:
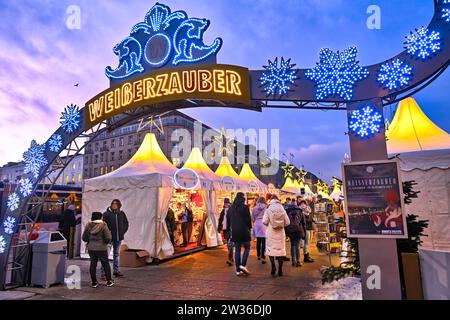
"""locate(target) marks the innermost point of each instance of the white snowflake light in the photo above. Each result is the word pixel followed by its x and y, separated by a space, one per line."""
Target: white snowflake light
pixel 13 202
pixel 35 159
pixel 395 74
pixel 71 119
pixel 366 122
pixel 25 187
pixel 446 11
pixel 278 78
pixel 422 43
pixel 55 143
pixel 336 73
pixel 9 225
pixel 2 244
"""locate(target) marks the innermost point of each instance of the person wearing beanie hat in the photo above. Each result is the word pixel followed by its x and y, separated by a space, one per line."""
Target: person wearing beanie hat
pixel 225 227
pixel 97 236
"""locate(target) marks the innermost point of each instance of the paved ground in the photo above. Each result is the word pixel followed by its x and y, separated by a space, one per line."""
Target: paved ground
pixel 203 275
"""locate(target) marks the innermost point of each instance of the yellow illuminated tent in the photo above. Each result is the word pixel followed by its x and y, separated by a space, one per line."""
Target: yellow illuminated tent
pixel 250 178
pixel 411 130
pixel 337 192
pixel 225 169
pixel 209 185
pixel 144 185
pixel 290 186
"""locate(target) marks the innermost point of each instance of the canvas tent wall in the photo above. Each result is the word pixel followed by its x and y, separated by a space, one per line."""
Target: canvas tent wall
pixel 144 186
pixel 209 185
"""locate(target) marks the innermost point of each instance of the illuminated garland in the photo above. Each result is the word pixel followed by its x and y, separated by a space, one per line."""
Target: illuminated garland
pixel 366 122
pixel 336 73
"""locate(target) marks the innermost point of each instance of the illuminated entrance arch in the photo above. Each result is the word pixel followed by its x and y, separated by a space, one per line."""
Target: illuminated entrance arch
pixel 165 65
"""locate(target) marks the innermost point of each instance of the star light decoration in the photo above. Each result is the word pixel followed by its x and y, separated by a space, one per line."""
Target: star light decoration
pixel 336 73
pixel 366 122
pixel 2 244
pixel 395 74
pixel 9 225
pixel 277 79
pixel 71 118
pixel 224 142
pixel 423 43
pixel 35 159
pixel 25 187
pixel 301 174
pixel 288 168
pixel 13 202
pixel 55 143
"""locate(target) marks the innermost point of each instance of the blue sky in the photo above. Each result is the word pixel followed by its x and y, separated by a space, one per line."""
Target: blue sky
pixel 41 60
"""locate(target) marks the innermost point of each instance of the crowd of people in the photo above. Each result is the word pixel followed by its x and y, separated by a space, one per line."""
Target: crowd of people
pixel 271 223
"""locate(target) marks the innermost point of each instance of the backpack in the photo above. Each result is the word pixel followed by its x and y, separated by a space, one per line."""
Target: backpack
pixel 294 219
pixel 277 220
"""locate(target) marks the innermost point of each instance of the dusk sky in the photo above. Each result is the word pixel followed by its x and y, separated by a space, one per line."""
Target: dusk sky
pixel 41 60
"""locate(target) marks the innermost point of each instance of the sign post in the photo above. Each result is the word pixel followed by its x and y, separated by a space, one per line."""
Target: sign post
pixel 380 273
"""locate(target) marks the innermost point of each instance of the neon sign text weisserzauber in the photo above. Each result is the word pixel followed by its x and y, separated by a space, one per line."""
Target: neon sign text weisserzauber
pixel 222 82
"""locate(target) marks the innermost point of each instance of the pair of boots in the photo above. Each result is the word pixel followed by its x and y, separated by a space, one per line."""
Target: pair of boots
pixel 280 266
pixel 307 258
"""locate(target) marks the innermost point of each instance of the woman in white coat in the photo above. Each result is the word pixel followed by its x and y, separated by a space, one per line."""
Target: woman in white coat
pixel 276 219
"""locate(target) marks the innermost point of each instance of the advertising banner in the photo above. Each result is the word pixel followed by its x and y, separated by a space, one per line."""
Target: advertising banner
pixel 374 200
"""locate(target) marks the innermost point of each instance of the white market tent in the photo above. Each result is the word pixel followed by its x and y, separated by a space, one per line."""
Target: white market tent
pixel 248 176
pixel 226 170
pixel 290 187
pixel 144 185
pixel 337 193
pixel 209 186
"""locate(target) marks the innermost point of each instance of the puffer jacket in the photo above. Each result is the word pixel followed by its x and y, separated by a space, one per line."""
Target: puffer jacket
pixel 275 237
pixel 97 236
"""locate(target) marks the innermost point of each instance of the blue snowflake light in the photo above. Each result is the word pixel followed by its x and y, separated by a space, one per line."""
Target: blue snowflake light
pixel 55 143
pixel 336 73
pixel 35 159
pixel 422 43
pixel 2 244
pixel 9 225
pixel 395 74
pixel 71 119
pixel 25 187
pixel 366 122
pixel 278 78
pixel 13 202
pixel 446 11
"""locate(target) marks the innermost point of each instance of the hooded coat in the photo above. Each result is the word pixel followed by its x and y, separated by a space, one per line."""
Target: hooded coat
pixel 257 217
pixel 240 221
pixel 117 222
pixel 275 238
pixel 97 236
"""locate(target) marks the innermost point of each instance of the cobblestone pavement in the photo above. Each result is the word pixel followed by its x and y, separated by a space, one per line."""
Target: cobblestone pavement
pixel 203 275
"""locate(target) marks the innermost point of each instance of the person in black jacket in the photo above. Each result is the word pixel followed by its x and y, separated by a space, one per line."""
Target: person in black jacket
pixel 67 222
pixel 241 224
pixel 225 228
pixel 295 231
pixel 171 225
pixel 117 223
pixel 309 227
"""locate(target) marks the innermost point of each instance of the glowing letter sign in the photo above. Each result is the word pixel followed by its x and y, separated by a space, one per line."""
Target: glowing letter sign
pixel 221 82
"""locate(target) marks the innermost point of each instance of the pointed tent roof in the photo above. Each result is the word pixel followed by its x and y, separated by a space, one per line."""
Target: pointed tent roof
pixel 297 185
pixel 337 192
pixel 308 191
pixel 411 130
pixel 226 169
pixel 289 186
pixel 148 167
pixel 197 163
pixel 248 175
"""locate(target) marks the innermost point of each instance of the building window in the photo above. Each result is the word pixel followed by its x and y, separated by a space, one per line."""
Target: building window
pixel 130 153
pixel 112 168
pixel 73 179
pixel 79 177
pixel 95 172
pixel 101 171
pixel 96 146
pixel 104 145
pixel 86 159
pixel 101 157
pixel 130 140
pixel 96 159
pixel 67 178
pixel 112 156
pixel 113 143
pixel 121 142
pixel 120 155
